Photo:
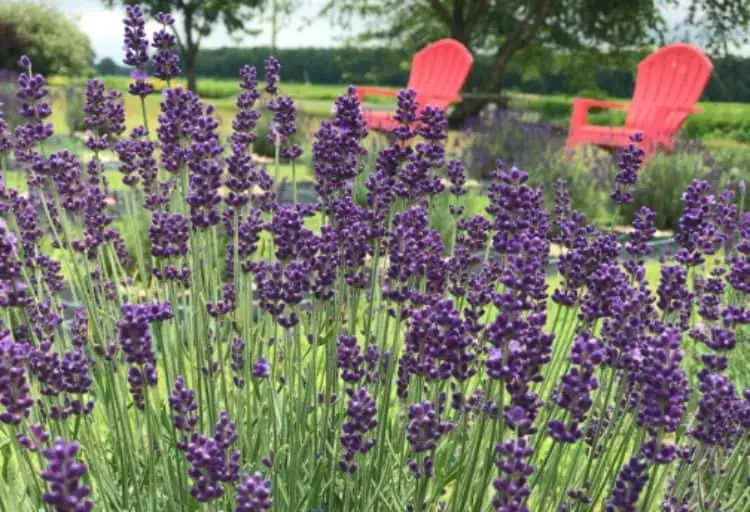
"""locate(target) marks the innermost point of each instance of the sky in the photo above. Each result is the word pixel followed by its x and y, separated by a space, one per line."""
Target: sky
pixel 304 28
pixel 104 28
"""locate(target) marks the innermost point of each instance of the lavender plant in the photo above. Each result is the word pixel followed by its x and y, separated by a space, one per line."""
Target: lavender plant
pixel 236 358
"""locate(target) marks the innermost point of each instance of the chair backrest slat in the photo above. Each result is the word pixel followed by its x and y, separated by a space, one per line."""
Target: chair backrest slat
pixel 674 75
pixel 440 70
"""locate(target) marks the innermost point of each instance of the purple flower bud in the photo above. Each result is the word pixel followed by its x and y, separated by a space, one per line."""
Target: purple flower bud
pixel 25 63
pixel 262 369
pixel 253 494
pixel 511 487
pixel 272 69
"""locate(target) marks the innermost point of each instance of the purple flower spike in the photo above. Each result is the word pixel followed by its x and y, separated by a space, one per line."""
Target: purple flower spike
pixel 138 165
pixel 629 161
pixel 5 142
pixel 183 404
pixel 423 432
pixel 38 438
pixel 254 494
pixel 211 463
pixel 457 177
pixel 272 69
pixel 166 60
pixel 180 110
pixel 24 62
pixel 63 475
pixel 574 392
pixel 511 487
pixel 104 115
pixel 630 482
pixel 205 171
pixel 136 48
pixel 15 395
pixel 32 91
pixel 13 289
pixel 337 148
pixel 406 114
pixel 718 422
pixel 739 272
pixel 135 337
pixel 703 226
pixel 360 420
pixel 665 390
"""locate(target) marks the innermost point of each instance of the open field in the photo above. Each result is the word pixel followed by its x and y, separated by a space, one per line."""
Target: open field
pixel 720 125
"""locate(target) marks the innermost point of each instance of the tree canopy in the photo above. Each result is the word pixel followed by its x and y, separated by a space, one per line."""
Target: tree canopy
pixel 506 29
pixel 53 41
pixel 198 19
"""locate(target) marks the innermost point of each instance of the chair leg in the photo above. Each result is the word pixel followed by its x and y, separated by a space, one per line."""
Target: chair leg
pixel 570 149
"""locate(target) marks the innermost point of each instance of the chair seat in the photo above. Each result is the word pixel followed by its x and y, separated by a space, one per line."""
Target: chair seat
pixel 610 136
pixel 380 120
pixel 605 135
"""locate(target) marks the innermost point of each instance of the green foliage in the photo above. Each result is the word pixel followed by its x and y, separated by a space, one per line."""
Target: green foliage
pixel 52 40
pixel 535 146
pixel 660 186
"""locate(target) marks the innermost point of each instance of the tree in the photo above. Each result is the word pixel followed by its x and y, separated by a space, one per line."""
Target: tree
pixel 199 18
pixel 107 66
pixel 506 29
pixel 53 41
pixel 279 12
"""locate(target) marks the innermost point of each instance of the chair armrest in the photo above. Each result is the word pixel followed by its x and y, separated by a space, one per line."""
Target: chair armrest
pixel 587 103
pixel 580 110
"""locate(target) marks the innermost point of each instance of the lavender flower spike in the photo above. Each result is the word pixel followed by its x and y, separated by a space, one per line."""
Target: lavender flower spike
pixel 166 61
pixel 63 474
pixel 136 50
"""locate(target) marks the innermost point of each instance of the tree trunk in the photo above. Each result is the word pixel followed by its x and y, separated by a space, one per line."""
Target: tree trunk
pixel 274 27
pixel 191 61
pixel 494 85
pixel 521 36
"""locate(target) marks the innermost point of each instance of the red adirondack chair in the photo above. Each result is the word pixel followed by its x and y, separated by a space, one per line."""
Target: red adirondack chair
pixel 438 72
pixel 668 84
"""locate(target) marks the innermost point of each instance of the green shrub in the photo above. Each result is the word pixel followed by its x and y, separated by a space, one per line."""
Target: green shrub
pixel 263 145
pixel 75 98
pixel 596 94
pixel 537 147
pixel 660 186
pixel 50 38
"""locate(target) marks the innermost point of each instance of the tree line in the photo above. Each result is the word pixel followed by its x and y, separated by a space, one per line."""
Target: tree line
pixel 390 67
